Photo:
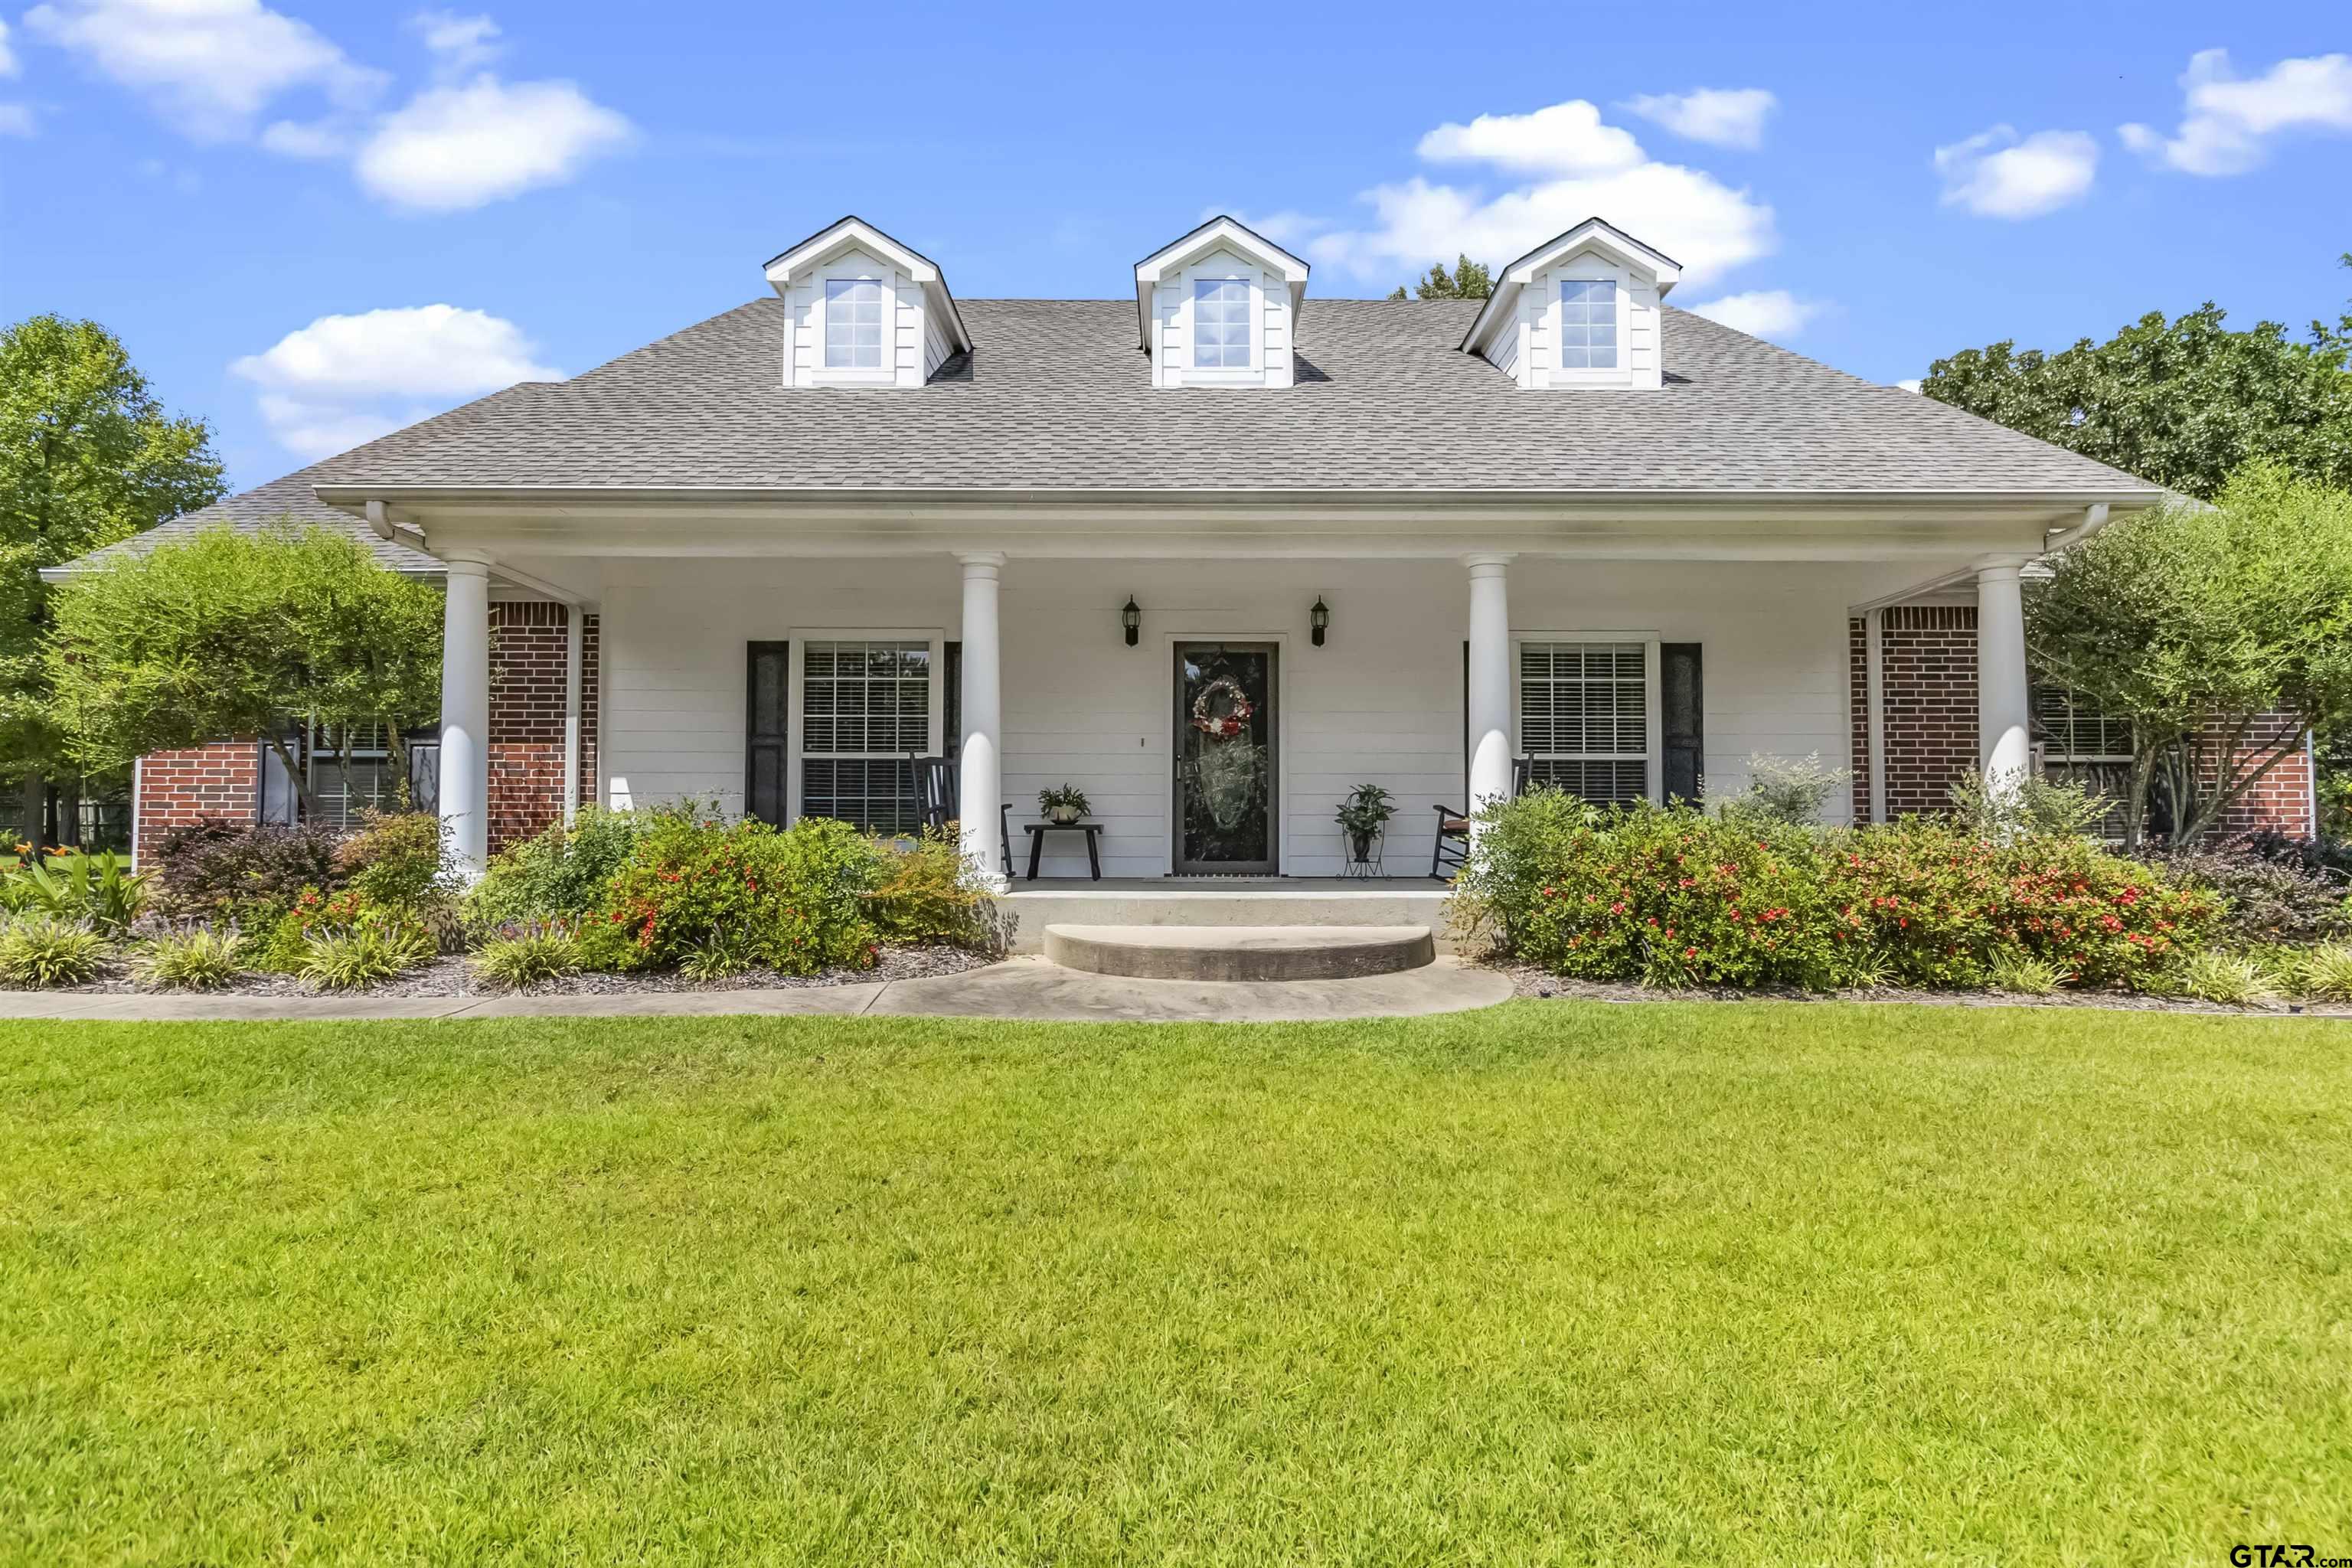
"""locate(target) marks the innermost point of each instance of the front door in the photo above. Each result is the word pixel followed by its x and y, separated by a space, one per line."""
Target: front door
pixel 1225 789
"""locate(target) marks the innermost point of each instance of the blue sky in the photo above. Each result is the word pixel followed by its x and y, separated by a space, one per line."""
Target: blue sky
pixel 314 222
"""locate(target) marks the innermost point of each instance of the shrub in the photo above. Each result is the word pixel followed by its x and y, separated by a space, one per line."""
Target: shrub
pixel 197 957
pixel 223 869
pixel 2233 979
pixel 2326 972
pixel 794 899
pixel 529 955
pixel 40 951
pixel 2269 899
pixel 368 953
pixel 561 874
pixel 1665 895
pixel 929 893
pixel 2022 973
pixel 1791 789
pixel 100 889
pixel 398 859
pixel 2030 806
pixel 1669 896
pixel 2329 856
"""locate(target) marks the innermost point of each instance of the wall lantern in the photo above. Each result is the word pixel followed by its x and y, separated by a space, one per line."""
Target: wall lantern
pixel 1319 617
pixel 1131 618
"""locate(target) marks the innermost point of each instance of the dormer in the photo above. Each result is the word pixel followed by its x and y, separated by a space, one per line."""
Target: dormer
pixel 1579 310
pixel 1219 308
pixel 862 309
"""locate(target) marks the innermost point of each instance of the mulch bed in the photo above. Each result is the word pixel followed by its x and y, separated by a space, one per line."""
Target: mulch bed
pixel 454 976
pixel 1533 981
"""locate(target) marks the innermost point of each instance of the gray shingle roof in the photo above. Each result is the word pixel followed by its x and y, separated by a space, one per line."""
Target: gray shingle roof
pixel 1056 396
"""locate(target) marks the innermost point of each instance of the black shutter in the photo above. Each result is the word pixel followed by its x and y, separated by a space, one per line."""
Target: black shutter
pixel 952 711
pixel 279 801
pixel 1681 702
pixel 769 699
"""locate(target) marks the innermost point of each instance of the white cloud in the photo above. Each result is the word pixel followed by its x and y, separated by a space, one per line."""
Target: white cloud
pixel 208 66
pixel 1994 174
pixel 15 120
pixel 1564 139
pixel 460 43
pixel 1590 170
pixel 455 147
pixel 2229 118
pixel 1773 313
pixel 343 380
pixel 1719 116
pixel 1909 383
pixel 1286 228
pixel 7 56
pixel 329 138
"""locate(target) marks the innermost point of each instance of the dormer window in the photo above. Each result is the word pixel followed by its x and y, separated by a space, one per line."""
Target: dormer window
pixel 1220 307
pixel 1221 324
pixel 863 310
pixel 853 324
pixel 1580 311
pixel 1588 324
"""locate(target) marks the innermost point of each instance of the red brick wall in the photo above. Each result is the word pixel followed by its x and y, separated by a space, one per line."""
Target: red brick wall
pixel 527 658
pixel 2281 798
pixel 1927 682
pixel 178 789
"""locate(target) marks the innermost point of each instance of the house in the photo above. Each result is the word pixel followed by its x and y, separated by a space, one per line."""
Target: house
pixel 1215 551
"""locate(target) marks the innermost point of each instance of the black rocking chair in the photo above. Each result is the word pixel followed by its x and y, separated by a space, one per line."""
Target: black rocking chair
pixel 1452 844
pixel 937 787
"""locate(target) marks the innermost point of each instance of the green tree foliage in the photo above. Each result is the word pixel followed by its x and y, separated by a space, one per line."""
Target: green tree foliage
pixel 88 456
pixel 2182 402
pixel 2195 622
pixel 228 633
pixel 1468 280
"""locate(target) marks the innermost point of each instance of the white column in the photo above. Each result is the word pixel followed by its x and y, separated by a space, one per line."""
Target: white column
pixel 2004 709
pixel 1490 680
pixel 573 660
pixel 465 713
pixel 980 769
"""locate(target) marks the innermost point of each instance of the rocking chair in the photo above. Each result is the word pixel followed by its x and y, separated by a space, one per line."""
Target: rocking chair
pixel 1452 844
pixel 938 785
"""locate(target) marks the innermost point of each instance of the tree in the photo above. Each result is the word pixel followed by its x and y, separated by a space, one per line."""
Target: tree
pixel 1469 281
pixel 2201 624
pixel 88 456
pixel 2182 402
pixel 231 634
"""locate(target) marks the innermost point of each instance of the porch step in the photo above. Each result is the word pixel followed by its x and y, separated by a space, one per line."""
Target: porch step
pixel 1240 952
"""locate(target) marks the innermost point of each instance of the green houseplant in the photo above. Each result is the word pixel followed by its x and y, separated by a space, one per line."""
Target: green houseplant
pixel 1063 802
pixel 1363 816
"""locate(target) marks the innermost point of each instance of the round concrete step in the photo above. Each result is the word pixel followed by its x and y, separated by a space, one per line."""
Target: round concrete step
pixel 1240 952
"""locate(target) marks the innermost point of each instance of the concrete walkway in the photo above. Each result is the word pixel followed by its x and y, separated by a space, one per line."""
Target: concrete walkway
pixel 1019 988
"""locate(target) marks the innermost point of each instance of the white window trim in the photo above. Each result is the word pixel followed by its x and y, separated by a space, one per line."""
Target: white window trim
pixel 865 272
pixel 1254 373
pixel 1652 715
pixel 323 772
pixel 796 662
pixel 1589 269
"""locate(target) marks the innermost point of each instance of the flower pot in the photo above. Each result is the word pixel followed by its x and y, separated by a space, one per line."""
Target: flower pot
pixel 1360 847
pixel 1063 814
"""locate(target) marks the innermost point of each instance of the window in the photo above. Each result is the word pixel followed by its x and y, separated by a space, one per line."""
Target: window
pixel 866 711
pixel 2081 745
pixel 1220 323
pixel 1588 324
pixel 853 324
pixel 350 774
pixel 1584 718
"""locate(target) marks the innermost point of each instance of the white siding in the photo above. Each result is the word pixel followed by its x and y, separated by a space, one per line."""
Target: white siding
pixel 1380 703
pixel 936 346
pixel 1503 352
pixel 903 340
pixel 1523 348
pixel 1172 318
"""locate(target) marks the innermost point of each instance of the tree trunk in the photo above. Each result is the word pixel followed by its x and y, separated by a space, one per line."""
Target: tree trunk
pixel 306 807
pixel 36 810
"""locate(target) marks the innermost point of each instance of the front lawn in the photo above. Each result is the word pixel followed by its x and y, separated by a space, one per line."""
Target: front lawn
pixel 1551 1282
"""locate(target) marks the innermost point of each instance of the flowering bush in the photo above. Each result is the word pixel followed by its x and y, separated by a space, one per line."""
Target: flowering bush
pixel 1669 896
pixel 560 874
pixel 1938 906
pixel 793 900
pixel 230 869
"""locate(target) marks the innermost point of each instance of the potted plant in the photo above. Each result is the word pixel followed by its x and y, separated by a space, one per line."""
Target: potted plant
pixel 1364 817
pixel 1063 803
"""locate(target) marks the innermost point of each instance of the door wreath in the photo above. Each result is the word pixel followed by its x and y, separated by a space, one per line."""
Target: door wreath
pixel 1233 720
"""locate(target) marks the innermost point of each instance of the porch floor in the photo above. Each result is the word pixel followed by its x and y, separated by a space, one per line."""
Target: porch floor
pixel 1218 887
pixel 1030 906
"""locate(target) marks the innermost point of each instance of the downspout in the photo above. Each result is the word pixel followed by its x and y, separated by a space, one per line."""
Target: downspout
pixel 1874 686
pixel 572 668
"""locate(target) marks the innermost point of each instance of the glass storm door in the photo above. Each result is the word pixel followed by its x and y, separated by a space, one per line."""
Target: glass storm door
pixel 1224 759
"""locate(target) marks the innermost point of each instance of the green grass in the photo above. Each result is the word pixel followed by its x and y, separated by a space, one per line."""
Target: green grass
pixel 1549 1283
